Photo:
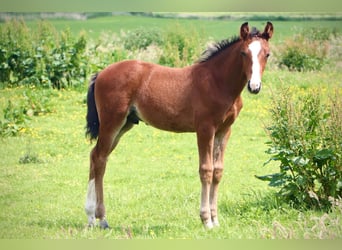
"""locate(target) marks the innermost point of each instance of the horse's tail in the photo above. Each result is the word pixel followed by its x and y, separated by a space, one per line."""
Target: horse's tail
pixel 92 128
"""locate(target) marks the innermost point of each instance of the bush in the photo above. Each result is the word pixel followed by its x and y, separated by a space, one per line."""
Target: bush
pixel 66 64
pixel 49 58
pixel 15 52
pixel 181 48
pixel 307 51
pixel 104 52
pixel 297 59
pixel 306 140
pixel 142 38
pixel 44 57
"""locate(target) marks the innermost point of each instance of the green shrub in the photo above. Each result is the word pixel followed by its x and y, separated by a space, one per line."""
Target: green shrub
pixel 306 140
pixel 42 57
pixel 141 38
pixel 181 47
pixel 297 59
pixel 307 50
pixel 66 64
pixel 99 59
pixel 16 52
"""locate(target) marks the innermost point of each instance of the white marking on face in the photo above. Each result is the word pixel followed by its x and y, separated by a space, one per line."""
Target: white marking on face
pixel 90 205
pixel 255 80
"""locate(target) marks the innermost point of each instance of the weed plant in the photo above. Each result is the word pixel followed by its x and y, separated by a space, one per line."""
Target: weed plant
pixel 306 139
pixel 30 102
pixel 13 121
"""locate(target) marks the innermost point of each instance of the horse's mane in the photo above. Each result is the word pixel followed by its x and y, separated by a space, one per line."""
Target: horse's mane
pixel 216 48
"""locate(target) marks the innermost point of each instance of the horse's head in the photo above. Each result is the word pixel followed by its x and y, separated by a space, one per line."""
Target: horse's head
pixel 255 51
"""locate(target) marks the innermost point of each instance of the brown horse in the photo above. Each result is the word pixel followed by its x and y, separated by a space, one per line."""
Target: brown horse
pixel 203 98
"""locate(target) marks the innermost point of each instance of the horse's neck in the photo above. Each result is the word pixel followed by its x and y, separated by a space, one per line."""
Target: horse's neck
pixel 226 69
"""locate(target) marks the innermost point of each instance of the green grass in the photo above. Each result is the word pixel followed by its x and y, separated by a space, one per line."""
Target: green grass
pixel 217 29
pixel 152 186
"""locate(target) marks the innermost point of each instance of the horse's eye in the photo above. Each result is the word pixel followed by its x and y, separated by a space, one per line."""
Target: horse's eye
pixel 268 55
pixel 243 53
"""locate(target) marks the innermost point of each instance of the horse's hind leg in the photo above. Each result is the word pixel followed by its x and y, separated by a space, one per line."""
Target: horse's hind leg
pixel 98 158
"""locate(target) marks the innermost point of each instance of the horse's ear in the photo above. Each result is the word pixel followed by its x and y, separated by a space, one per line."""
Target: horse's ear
pixel 244 31
pixel 268 32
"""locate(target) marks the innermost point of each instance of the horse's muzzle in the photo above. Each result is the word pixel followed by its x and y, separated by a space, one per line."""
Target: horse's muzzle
pixel 254 88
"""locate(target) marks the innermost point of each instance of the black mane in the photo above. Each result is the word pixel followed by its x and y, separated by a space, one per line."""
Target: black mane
pixel 218 47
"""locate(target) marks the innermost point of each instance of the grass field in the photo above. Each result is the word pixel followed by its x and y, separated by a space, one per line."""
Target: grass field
pixel 217 29
pixel 152 186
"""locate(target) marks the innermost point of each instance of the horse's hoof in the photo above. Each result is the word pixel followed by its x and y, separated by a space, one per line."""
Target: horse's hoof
pixel 91 222
pixel 208 225
pixel 215 222
pixel 104 224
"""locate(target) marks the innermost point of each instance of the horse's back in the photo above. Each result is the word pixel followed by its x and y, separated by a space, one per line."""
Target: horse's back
pixel 134 73
pixel 123 72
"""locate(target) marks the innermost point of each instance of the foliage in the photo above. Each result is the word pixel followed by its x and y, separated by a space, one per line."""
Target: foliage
pixel 13 121
pixel 105 51
pixel 45 57
pixel 306 140
pixel 141 38
pixel 296 59
pixel 66 65
pixel 307 50
pixel 15 50
pixel 37 103
pixel 16 114
pixel 174 47
pixel 181 48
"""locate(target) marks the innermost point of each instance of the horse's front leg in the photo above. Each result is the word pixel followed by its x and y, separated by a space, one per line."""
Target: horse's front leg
pixel 220 143
pixel 205 141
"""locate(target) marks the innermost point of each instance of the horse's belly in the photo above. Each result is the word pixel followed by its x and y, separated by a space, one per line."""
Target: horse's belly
pixel 165 117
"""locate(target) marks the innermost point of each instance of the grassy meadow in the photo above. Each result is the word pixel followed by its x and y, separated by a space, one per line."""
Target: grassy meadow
pixel 216 29
pixel 152 187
